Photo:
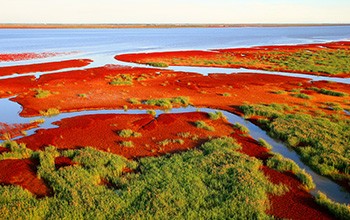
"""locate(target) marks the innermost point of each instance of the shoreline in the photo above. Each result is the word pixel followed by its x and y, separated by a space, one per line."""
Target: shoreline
pixel 140 26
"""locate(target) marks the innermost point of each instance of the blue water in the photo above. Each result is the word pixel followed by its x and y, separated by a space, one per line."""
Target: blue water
pixel 115 41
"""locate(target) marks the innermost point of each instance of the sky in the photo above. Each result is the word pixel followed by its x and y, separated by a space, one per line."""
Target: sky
pixel 175 11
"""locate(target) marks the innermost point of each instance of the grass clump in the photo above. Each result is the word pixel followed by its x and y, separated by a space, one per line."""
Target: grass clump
pixel 264 143
pixel 126 133
pixel 40 93
pixel 134 101
pixel 168 102
pixel 152 112
pixel 204 125
pixel 17 151
pixel 328 92
pixel 82 95
pixel 121 80
pixel 126 144
pixel 241 127
pixel 171 141
pixel 157 64
pixel 302 96
pixel 341 211
pixel 278 162
pixel 50 112
pixel 216 115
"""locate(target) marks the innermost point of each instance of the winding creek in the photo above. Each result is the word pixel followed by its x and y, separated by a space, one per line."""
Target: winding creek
pixel 11 110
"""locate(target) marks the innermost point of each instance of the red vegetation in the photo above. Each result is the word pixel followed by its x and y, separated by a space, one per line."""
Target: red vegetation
pixel 43 67
pixel 23 173
pixel 102 133
pixel 295 204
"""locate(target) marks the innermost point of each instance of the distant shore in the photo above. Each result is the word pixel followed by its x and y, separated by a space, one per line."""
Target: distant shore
pixel 116 26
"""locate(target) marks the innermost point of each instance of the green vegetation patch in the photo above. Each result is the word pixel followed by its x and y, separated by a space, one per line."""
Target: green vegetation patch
pixel 328 92
pixel 328 61
pixel 40 93
pixel 126 144
pixel 166 142
pixel 341 211
pixel 211 182
pixel 17 151
pixel 278 162
pixel 157 64
pixel 126 133
pixel 50 112
pixel 322 141
pixel 204 125
pixel 121 80
pixel 168 102
pixel 216 115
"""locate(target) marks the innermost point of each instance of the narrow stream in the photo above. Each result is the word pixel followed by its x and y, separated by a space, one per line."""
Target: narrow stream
pixel 10 114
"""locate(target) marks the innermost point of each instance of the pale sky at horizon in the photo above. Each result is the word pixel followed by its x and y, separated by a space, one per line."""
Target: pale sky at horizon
pixel 176 11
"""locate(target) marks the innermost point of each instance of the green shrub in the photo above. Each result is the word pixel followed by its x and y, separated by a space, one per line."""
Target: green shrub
pixel 302 96
pixel 328 92
pixel 241 127
pixel 126 144
pixel 171 141
pixel 40 93
pixel 341 211
pixel 157 64
pixel 322 141
pixel 121 80
pixel 264 143
pixel 216 115
pixel 50 112
pixel 134 101
pixel 168 102
pixel 203 125
pixel 278 162
pixel 126 133
pixel 211 182
pixel 17 151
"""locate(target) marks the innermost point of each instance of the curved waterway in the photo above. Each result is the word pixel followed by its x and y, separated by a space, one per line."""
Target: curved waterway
pixel 11 110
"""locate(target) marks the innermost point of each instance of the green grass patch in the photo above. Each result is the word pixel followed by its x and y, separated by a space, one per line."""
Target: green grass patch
pixel 341 211
pixel 204 125
pixel 278 162
pixel 323 142
pixel 50 112
pixel 40 93
pixel 17 151
pixel 241 127
pixel 126 144
pixel 126 133
pixel 328 92
pixel 121 80
pixel 168 102
pixel 166 142
pixel 157 64
pixel 216 115
pixel 264 143
pixel 211 182
pixel 302 96
pixel 134 101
